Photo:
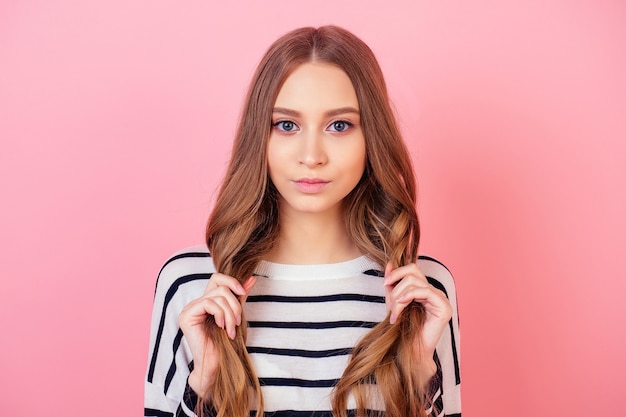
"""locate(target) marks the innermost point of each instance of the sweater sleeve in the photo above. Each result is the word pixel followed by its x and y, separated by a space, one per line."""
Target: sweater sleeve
pixel 433 391
pixel 188 405
pixel 167 393
pixel 445 386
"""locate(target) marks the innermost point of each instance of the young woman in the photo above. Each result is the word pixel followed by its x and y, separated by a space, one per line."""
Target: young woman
pixel 311 299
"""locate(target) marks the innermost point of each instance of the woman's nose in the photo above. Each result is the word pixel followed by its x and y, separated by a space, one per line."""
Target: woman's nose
pixel 312 152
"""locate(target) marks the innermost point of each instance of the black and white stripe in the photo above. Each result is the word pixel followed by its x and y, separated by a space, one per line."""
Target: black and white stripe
pixel 303 322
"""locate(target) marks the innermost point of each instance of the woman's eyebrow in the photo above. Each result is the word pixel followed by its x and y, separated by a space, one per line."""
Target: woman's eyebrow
pixel 329 113
pixel 342 110
pixel 285 111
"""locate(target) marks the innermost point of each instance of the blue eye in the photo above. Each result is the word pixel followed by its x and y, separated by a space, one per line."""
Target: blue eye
pixel 285 126
pixel 340 126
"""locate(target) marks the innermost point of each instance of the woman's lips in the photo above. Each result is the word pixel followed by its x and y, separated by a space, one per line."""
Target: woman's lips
pixel 310 185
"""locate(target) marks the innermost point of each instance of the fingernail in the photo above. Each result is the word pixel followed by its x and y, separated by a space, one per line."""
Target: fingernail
pixel 238 320
pixel 232 334
pixel 392 319
pixel 240 289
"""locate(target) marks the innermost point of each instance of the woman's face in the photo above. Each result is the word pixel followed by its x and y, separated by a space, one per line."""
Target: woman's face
pixel 316 150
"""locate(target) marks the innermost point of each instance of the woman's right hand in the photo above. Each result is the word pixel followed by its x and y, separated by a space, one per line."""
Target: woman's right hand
pixel 223 299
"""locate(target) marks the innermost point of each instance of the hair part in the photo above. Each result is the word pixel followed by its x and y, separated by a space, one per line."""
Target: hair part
pixel 379 212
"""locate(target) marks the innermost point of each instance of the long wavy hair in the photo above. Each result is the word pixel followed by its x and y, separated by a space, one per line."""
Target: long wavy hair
pixel 379 213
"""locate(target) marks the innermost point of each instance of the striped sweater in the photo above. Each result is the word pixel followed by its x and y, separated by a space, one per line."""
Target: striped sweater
pixel 303 321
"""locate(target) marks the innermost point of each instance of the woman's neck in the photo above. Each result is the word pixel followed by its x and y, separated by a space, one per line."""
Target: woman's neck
pixel 313 239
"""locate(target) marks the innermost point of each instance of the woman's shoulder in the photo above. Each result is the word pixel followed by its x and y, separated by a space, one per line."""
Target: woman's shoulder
pixel 437 274
pixel 187 265
pixel 198 254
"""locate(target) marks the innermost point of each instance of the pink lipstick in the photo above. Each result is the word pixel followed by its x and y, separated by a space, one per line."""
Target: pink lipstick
pixel 310 185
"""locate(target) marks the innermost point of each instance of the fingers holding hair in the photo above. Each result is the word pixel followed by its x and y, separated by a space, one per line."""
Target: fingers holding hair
pixel 407 284
pixel 222 299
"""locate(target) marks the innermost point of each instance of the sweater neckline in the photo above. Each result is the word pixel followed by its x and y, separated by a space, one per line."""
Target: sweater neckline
pixel 336 270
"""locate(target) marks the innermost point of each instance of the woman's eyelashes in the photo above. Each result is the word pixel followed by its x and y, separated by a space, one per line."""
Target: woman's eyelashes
pixel 289 126
pixel 340 126
pixel 286 126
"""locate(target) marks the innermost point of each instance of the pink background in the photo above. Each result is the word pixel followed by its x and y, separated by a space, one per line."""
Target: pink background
pixel 116 121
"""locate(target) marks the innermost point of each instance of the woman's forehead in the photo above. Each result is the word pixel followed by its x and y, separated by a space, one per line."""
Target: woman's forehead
pixel 317 87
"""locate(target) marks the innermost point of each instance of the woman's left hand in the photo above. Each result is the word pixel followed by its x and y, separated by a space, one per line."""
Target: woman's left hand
pixel 406 284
